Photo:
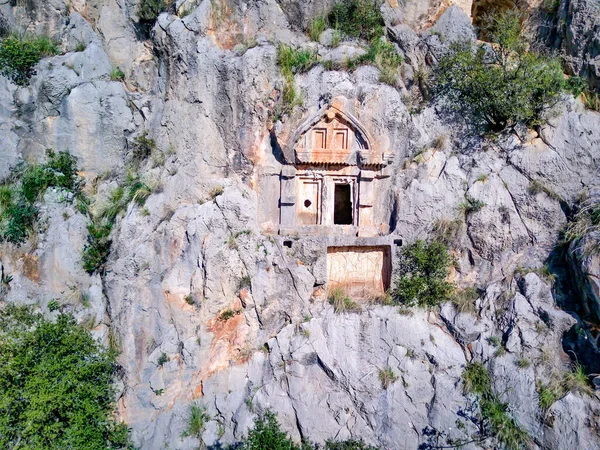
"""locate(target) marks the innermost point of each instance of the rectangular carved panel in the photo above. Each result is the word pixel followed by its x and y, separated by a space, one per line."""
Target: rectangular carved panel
pixel 363 272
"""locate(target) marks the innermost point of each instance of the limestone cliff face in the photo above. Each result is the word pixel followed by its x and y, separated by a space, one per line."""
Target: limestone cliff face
pixel 205 84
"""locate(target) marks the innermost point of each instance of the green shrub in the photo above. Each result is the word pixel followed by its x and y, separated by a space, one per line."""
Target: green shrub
pixel 63 396
pixel 98 244
pixel 383 55
pixel 464 300
pixel 143 147
pixel 18 55
pixel 148 10
pixel 357 18
pixel 503 87
pixel 494 413
pixel 116 74
pixel 266 434
pixel 423 269
pixel 387 377
pixel 196 421
pixel 27 185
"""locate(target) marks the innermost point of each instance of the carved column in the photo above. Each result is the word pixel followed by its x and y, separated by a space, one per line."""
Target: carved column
pixel 366 199
pixel 287 200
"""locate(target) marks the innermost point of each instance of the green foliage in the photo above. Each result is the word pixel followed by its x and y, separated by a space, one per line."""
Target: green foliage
pixel 548 394
pixel 98 244
pixel 387 377
pixel 80 47
pixel 316 27
pixel 383 55
pixel 357 18
pixel 163 359
pixel 341 301
pixel 291 62
pixel 53 305
pixel 266 434
pixel 494 413
pixel 471 205
pixel 189 299
pixel 148 10
pixel 56 385
pixel 18 55
pixel 423 269
pixel 504 86
pixel 26 185
pixel 116 74
pixel 196 421
pixel 591 100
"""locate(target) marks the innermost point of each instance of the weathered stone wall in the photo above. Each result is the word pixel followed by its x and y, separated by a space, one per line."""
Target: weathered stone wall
pixel 205 93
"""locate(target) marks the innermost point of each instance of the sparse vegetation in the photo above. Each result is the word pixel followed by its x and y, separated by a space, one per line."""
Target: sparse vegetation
pixel 63 396
pixel 18 55
pixel 98 244
pixel 189 299
pixel 535 187
pixel 575 380
pixel 116 74
pixel 387 377
pixel 423 269
pixel 53 305
pixel 495 417
pixel 197 419
pixel 464 300
pixel 163 359
pixel 591 100
pixel 470 205
pixel 503 87
pixel 341 301
pixel 26 185
pixel 142 148
pixel 585 223
pixel 228 313
pixel 446 231
pixel 215 192
pixel 316 27
pixel 523 363
pixel 291 62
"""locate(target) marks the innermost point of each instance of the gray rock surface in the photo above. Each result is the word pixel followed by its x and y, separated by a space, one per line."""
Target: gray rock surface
pixel 206 88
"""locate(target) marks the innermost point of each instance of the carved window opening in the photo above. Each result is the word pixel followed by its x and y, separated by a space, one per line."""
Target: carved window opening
pixel 342 211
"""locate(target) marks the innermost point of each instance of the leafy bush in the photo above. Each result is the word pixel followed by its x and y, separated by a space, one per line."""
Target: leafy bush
pixel 358 19
pixel 387 377
pixel 503 86
pixel 56 385
pixel 494 414
pixel 148 10
pixel 26 185
pixel 266 434
pixel 18 55
pixel 383 55
pixel 423 269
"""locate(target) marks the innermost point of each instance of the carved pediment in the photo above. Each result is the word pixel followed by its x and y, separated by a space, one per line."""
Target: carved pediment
pixel 332 137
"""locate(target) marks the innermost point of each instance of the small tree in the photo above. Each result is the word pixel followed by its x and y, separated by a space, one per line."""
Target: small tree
pixel 56 385
pixel 266 434
pixel 503 84
pixel 423 269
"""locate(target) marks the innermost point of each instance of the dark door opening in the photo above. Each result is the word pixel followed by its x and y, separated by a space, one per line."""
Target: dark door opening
pixel 342 211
